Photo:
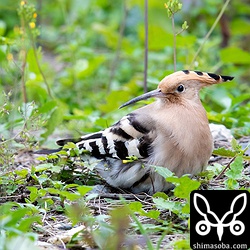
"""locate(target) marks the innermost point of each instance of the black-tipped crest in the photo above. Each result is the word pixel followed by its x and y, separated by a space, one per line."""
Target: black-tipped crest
pixel 227 78
pixel 212 75
pixel 216 77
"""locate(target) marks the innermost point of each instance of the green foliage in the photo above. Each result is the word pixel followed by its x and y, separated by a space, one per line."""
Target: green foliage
pixel 16 221
pixel 69 65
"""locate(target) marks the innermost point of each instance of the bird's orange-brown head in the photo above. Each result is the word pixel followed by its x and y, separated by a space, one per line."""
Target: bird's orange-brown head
pixel 181 84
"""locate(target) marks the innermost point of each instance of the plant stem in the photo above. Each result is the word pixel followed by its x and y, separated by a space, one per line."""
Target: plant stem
pixel 210 31
pixel 118 47
pixel 24 91
pixel 224 170
pixel 25 98
pixel 146 46
pixel 143 231
pixel 174 42
pixel 39 66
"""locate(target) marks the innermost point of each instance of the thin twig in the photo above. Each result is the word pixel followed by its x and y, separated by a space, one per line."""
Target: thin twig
pixel 211 30
pixel 224 170
pixel 174 41
pixel 25 99
pixel 54 235
pixel 125 196
pixel 146 46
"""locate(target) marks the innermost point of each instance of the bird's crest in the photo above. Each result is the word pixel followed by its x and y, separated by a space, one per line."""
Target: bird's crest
pixel 204 79
pixel 169 83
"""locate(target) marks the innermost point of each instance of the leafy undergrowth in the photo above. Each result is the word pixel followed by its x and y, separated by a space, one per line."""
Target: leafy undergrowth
pixel 68 65
pixel 53 201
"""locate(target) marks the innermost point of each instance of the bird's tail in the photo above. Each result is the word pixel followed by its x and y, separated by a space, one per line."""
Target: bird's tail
pixel 47 151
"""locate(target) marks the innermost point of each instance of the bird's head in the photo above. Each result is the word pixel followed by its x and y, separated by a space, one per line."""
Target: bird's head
pixel 181 84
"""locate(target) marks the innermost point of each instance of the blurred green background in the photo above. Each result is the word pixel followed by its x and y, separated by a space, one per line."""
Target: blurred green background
pixel 69 64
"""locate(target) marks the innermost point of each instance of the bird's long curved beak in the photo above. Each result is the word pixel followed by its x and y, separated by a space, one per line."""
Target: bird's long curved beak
pixel 153 93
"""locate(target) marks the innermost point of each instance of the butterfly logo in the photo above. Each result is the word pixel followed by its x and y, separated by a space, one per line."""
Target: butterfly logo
pixel 210 219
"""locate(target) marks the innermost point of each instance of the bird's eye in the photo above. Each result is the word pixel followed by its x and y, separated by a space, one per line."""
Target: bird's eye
pixel 180 88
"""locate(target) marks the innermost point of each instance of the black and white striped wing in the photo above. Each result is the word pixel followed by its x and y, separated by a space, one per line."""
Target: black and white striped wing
pixel 127 137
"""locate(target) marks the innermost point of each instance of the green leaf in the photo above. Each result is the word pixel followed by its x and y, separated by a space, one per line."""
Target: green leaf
pixel 174 206
pixel 184 186
pixel 31 60
pixel 70 145
pixel 135 206
pixel 234 144
pixel 240 26
pixel 224 152
pixel 231 184
pixel 56 118
pixel 234 55
pixel 53 190
pixel 25 224
pixel 84 189
pixel 47 107
pixel 70 196
pixel 236 168
pixel 33 193
pixel 36 91
pixel 215 169
pixel 153 214
pixel 2 27
pixel 161 194
pixel 164 172
pixel 42 167
pixel 22 173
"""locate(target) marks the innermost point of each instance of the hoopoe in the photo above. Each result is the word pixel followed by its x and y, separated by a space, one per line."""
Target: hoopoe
pixel 172 132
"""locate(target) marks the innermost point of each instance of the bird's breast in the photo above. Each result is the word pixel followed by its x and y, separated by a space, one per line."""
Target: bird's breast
pixel 183 141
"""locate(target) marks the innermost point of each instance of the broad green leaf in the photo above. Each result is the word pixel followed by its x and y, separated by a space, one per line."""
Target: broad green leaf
pixel 84 189
pixel 2 27
pixel 10 219
pixel 53 190
pixel 153 214
pixel 224 152
pixel 174 206
pixel 42 167
pixel 33 193
pixel 161 194
pixel 240 26
pixel 25 224
pixel 184 186
pixel 47 107
pixel 231 184
pixel 235 55
pixel 70 196
pixel 235 145
pixel 36 91
pixel 32 62
pixel 22 173
pixel 70 145
pixel 164 172
pixel 56 118
pixel 135 206
pixel 23 241
pixel 42 178
pixel 215 169
pixel 236 168
pixel 186 208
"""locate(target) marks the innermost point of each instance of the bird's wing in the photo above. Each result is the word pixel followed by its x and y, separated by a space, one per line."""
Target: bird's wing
pixel 128 137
